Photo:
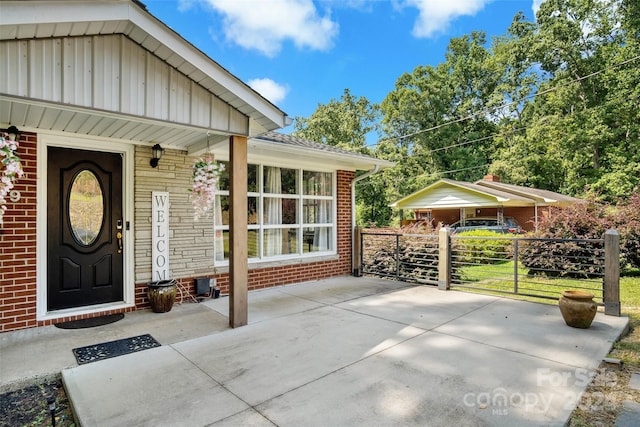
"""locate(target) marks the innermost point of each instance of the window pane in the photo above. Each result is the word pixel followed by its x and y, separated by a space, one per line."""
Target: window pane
pixel 280 211
pixel 252 178
pixel 222 244
pixel 221 215
pixel 253 237
pixel 317 239
pixel 280 180
pixel 280 241
pixel 317 211
pixel 252 210
pixel 86 208
pixel 317 183
pixel 223 182
pixel 223 210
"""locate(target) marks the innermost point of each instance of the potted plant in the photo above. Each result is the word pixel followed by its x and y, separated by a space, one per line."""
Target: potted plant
pixel 11 170
pixel 206 173
pixel 162 295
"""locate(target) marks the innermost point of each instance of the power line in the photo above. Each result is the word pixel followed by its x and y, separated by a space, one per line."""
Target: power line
pixel 492 109
pixel 450 171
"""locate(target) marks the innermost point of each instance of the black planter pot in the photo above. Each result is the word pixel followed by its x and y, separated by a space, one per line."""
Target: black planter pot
pixel 162 295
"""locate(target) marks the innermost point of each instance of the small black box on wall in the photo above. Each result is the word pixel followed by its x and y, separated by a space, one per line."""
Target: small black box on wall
pixel 203 285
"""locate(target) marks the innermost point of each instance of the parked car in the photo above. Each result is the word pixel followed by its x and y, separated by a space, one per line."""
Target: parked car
pixel 509 225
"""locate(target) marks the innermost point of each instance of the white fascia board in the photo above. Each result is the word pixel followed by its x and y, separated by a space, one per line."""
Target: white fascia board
pixel 264 150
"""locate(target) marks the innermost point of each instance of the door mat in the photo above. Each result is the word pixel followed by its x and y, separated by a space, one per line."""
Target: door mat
pixel 107 350
pixel 91 322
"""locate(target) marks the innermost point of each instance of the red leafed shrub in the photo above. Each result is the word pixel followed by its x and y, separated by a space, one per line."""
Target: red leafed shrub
pixel 587 220
pixel 627 221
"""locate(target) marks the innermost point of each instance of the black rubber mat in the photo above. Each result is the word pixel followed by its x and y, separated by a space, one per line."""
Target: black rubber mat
pixel 91 322
pixel 107 350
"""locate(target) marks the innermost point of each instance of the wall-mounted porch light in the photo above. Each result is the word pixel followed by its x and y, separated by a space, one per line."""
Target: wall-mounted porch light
pixel 13 133
pixel 156 153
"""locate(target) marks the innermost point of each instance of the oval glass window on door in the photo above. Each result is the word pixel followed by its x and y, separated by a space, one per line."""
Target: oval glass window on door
pixel 86 208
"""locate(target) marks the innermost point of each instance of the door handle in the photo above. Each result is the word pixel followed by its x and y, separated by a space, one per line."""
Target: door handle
pixel 119 237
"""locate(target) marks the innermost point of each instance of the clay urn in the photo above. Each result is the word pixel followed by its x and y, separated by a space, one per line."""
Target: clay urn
pixel 578 308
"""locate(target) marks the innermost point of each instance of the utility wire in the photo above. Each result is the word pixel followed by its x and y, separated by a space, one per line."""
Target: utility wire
pixel 492 109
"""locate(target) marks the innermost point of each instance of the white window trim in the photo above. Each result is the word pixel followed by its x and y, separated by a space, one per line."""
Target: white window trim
pixel 300 197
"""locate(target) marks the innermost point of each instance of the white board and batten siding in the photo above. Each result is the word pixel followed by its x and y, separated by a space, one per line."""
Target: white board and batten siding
pixel 111 73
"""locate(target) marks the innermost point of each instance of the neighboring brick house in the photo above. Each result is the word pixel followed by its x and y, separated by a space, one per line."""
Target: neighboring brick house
pixel 447 201
pixel 93 87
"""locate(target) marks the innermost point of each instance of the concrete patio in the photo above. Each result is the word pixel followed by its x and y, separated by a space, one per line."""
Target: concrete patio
pixel 344 351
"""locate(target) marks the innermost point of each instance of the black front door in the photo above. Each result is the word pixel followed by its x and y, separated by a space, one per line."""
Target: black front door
pixel 84 228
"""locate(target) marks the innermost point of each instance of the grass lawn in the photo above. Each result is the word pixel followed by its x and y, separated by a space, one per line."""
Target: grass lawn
pixel 499 278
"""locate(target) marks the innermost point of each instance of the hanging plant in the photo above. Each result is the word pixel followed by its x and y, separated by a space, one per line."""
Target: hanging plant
pixel 206 173
pixel 11 170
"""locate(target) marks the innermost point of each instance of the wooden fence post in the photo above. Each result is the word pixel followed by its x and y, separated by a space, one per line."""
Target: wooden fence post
pixel 612 273
pixel 444 259
pixel 357 251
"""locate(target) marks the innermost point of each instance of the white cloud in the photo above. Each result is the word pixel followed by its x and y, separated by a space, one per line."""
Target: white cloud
pixel 271 90
pixel 266 25
pixel 535 6
pixel 435 15
pixel 184 5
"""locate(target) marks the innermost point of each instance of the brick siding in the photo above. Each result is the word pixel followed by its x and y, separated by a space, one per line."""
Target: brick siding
pixel 18 246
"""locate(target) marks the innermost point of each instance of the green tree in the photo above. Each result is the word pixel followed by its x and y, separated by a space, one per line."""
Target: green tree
pixel 343 123
pixel 435 117
pixel 584 45
pixel 346 123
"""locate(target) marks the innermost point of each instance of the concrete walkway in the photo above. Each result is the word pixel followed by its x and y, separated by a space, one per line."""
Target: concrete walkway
pixel 352 351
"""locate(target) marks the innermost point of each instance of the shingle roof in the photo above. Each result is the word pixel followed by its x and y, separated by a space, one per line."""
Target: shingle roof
pixel 545 196
pixel 503 194
pixel 282 138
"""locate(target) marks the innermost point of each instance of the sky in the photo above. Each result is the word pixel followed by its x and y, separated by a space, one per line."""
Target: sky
pixel 302 53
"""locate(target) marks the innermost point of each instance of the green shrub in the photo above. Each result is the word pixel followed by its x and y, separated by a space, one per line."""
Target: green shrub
pixel 482 250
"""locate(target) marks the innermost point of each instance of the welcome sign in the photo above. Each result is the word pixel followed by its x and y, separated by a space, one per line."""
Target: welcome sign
pixel 160 235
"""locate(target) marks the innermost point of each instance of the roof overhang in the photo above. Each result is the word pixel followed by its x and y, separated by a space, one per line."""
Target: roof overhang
pixel 457 197
pixel 265 150
pixel 25 20
pixel 35 116
pixel 541 197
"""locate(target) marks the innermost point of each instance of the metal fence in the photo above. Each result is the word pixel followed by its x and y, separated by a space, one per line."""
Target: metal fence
pixel 540 268
pixel 531 267
pixel 406 257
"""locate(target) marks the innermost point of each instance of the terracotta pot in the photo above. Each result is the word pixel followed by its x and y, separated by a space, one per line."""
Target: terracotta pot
pixel 578 308
pixel 162 295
